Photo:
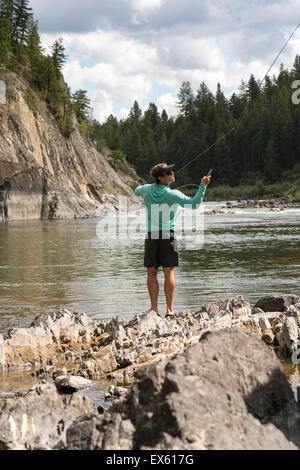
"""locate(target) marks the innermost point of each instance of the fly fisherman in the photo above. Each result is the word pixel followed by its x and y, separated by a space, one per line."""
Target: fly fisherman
pixel 160 241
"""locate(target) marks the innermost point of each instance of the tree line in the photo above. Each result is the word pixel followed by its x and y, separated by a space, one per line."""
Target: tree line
pixel 264 148
pixel 265 143
pixel 22 53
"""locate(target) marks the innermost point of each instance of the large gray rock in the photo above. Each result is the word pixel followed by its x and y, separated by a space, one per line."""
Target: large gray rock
pixel 93 432
pixel 277 302
pixel 215 395
pixel 71 383
pixel 212 397
pixel 39 419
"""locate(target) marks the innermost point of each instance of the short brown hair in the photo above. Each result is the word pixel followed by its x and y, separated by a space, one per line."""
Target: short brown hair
pixel 155 170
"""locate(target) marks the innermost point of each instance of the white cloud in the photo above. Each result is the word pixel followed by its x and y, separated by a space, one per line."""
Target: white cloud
pixel 120 48
pixel 168 102
pixel 145 5
pixel 123 113
pixel 103 105
pixel 142 8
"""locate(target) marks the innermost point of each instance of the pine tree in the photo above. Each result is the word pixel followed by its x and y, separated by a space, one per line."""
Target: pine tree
pixel 134 149
pixel 186 99
pixel 35 50
pixel 283 77
pixel 6 14
pixel 295 73
pixel 252 89
pixel 268 87
pixel 164 116
pixel 22 14
pixel 162 148
pixel 271 166
pixel 236 105
pixel 204 103
pixel 59 56
pixel 135 113
pixel 81 104
pixel 47 77
pixel 151 116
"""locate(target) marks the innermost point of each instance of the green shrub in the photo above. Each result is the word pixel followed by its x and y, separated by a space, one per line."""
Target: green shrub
pixel 118 155
pixel 293 192
pixel 84 128
pixel 101 145
pixel 66 127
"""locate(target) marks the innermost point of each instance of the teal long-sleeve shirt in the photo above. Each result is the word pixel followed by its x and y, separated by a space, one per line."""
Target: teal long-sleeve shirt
pixel 162 204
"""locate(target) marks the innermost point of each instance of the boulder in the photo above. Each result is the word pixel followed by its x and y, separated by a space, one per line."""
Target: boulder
pixel 71 383
pixel 277 302
pixel 222 393
pixel 107 432
pixel 39 419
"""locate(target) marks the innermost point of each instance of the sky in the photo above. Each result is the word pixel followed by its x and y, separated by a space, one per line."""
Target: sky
pixel 126 50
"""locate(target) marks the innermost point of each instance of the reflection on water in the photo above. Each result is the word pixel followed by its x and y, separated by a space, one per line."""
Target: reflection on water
pixel 45 265
pixel 15 381
pixel 22 380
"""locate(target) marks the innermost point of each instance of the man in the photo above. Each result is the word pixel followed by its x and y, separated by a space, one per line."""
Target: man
pixel 162 204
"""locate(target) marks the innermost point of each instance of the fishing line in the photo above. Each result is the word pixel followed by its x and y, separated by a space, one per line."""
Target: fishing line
pixel 243 113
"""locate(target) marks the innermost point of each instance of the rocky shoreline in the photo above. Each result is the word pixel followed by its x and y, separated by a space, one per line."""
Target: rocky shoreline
pixel 273 205
pixel 279 203
pixel 226 347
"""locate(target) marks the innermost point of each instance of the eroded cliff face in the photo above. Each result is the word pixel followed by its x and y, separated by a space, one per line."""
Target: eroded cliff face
pixel 44 175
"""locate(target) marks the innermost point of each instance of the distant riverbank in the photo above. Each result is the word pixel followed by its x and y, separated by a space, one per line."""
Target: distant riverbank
pixel 288 192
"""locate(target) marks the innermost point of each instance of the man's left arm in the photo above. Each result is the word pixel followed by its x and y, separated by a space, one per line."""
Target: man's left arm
pixel 195 201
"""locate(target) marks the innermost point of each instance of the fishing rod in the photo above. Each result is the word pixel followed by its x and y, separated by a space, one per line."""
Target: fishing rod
pixel 241 116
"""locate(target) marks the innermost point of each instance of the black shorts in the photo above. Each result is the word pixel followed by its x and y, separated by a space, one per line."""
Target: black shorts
pixel 160 251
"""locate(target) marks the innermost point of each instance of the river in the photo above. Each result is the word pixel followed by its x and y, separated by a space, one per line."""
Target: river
pixel 46 265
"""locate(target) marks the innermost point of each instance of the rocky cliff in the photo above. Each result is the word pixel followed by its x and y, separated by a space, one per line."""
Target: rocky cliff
pixel 44 175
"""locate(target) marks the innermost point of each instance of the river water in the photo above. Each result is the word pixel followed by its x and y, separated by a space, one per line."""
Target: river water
pixel 46 265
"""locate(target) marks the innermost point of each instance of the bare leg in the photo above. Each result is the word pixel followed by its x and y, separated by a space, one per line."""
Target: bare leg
pixel 153 287
pixel 169 286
